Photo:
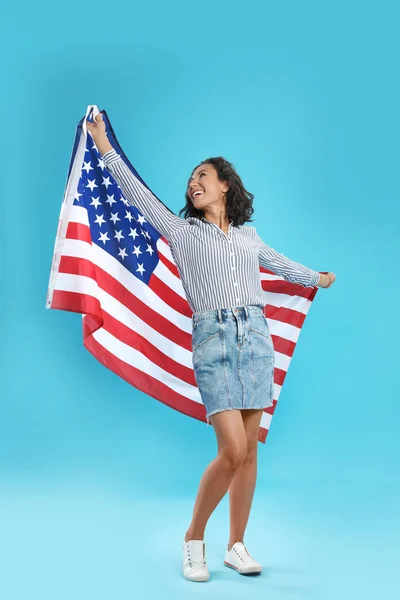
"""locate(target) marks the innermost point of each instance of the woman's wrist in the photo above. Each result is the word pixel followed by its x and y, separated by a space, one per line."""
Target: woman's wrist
pixel 325 280
pixel 103 145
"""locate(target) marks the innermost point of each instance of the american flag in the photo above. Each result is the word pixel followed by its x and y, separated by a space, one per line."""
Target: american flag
pixel 114 268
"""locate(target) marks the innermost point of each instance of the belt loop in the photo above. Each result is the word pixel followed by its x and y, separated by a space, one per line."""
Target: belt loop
pixel 246 310
pixel 219 315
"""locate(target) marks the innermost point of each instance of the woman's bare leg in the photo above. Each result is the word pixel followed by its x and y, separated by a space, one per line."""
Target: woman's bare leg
pixel 232 450
pixel 241 490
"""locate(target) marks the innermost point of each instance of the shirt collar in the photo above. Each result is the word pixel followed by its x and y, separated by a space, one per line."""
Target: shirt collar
pixel 206 221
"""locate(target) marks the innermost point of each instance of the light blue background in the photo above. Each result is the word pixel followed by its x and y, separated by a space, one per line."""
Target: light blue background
pixel 97 479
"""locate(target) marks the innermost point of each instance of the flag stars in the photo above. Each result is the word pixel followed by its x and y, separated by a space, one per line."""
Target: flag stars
pixel 77 196
pixel 141 219
pixel 95 202
pixel 87 166
pixel 110 200
pixel 106 182
pixel 114 217
pixel 91 185
pixel 125 201
pixel 150 250
pixel 137 251
pixel 99 220
pixel 146 234
pixel 119 236
pixel 140 268
pixel 122 253
pixel 128 216
pixel 104 238
pixel 133 233
pixel 101 164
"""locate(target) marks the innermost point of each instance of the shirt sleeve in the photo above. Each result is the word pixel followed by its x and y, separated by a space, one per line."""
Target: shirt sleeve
pixel 286 268
pixel 138 195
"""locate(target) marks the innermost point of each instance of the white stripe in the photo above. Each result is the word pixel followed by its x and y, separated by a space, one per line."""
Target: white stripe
pixel 165 250
pixel 266 420
pixel 297 303
pixel 284 330
pixel 169 278
pixel 79 214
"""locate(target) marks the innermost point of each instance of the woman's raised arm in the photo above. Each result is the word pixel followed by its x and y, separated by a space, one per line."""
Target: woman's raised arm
pixel 136 193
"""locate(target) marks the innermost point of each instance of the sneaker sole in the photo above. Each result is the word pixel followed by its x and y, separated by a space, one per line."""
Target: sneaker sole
pixel 244 571
pixel 198 579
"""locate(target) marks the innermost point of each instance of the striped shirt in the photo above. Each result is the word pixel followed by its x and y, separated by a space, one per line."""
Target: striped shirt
pixel 216 270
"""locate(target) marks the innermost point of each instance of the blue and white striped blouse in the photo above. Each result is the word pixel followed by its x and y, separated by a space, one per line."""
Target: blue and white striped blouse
pixel 216 270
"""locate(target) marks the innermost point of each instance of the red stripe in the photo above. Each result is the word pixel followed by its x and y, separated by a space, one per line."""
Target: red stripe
pixel 174 300
pixel 286 287
pixel 285 315
pixel 80 303
pixel 283 346
pixel 77 231
pixel 279 375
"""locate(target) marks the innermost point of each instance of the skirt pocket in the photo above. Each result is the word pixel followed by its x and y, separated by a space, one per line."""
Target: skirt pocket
pixel 203 332
pixel 261 327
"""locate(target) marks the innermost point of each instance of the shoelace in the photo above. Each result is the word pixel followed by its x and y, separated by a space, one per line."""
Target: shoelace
pixel 242 553
pixel 197 556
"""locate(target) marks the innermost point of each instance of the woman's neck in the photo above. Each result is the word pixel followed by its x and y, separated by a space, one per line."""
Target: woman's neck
pixel 219 219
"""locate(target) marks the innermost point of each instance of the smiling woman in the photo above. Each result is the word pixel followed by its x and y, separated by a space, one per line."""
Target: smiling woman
pixel 218 258
pixel 216 193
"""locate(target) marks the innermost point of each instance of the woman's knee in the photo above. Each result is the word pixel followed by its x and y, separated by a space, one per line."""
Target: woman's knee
pixel 234 455
pixel 251 451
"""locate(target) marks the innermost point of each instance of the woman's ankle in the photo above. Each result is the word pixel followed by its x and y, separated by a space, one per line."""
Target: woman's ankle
pixel 192 535
pixel 230 544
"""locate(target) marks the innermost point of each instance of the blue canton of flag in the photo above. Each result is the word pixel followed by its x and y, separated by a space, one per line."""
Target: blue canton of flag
pixel 115 225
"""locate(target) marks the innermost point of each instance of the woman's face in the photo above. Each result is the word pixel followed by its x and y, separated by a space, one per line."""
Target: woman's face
pixel 205 188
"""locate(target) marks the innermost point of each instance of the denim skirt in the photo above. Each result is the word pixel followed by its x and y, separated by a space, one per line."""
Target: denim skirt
pixel 233 358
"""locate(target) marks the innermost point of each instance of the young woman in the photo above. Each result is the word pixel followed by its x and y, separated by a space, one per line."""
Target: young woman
pixel 218 258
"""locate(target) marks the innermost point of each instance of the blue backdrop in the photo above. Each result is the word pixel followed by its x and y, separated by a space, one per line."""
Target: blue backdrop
pixel 96 477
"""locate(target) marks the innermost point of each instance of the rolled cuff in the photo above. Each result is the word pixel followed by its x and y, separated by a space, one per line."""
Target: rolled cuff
pixel 111 157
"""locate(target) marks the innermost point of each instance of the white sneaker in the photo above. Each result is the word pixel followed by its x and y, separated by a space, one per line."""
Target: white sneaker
pixel 239 558
pixel 194 560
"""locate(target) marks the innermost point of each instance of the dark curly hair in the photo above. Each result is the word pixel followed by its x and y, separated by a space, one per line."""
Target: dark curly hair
pixel 239 202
